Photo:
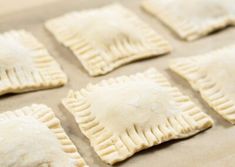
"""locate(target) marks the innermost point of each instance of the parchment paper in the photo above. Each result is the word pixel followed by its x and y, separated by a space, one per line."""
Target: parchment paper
pixel 214 147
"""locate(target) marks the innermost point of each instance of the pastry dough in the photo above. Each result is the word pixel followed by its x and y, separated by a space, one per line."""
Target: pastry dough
pixel 124 115
pixel 212 75
pixel 106 38
pixel 33 137
pixel 26 65
pixel 192 19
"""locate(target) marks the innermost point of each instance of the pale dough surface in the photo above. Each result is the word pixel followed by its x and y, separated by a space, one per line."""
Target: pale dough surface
pixel 143 104
pixel 220 68
pixel 18 140
pixel 106 38
pixel 200 152
pixel 13 53
pixel 123 115
pixel 33 137
pixel 212 74
pixel 26 65
pixel 192 19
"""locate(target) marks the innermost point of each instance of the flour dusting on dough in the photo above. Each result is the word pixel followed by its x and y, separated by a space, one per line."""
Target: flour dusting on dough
pixel 13 53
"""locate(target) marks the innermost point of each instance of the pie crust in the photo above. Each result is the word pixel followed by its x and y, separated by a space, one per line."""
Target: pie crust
pixel 32 136
pixel 192 19
pixel 25 64
pixel 212 74
pixel 119 115
pixel 106 38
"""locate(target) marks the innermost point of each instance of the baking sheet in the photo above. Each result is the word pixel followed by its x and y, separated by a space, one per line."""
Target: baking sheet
pixel 214 147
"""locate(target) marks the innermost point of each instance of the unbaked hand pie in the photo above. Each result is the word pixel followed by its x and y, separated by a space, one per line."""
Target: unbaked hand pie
pixel 106 38
pixel 195 18
pixel 33 137
pixel 123 115
pixel 26 65
pixel 212 75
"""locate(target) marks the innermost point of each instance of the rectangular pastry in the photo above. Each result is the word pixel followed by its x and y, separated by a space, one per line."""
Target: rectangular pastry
pixel 124 115
pixel 212 74
pixel 106 38
pixel 26 65
pixel 33 137
pixel 192 19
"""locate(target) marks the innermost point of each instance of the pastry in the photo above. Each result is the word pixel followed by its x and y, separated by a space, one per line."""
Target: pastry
pixel 106 38
pixel 33 137
pixel 25 64
pixel 192 19
pixel 123 115
pixel 212 74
